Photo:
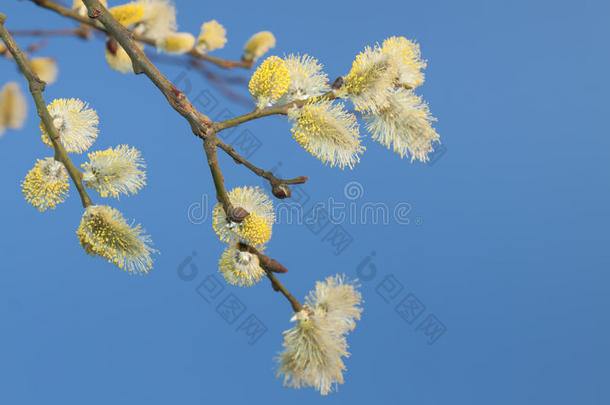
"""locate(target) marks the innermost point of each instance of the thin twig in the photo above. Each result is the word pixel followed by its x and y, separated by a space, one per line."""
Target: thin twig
pixel 209 145
pixel 273 181
pixel 36 88
pixel 272 266
pixel 49 33
pixel 278 110
pixel 141 64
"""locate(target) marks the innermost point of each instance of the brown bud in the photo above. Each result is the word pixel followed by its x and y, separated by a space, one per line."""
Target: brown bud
pixel 274 266
pixel 237 214
pixel 112 45
pixel 281 191
pixel 338 83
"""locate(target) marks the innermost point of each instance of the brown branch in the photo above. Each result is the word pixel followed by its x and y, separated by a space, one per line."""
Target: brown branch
pixel 66 12
pixel 209 145
pixel 36 46
pixel 272 266
pixel 79 32
pixel 277 185
pixel 278 110
pixel 199 122
pixel 219 83
pixel 36 88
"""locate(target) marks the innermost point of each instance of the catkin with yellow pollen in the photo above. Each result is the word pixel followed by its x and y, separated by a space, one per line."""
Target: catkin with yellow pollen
pixel 104 232
pixel 46 185
pixel 128 14
pixel 115 171
pixel 404 125
pixel 13 107
pixel 240 268
pixel 269 82
pixel 406 57
pixel 328 132
pixel 258 45
pixel 177 43
pixel 372 75
pixel 75 122
pixel 212 36
pixel 45 69
pixel 255 230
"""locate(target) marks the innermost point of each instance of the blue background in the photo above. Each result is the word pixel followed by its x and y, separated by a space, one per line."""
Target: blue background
pixel 507 242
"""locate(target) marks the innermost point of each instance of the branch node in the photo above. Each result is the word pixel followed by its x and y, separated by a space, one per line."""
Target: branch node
pixel 94 13
pixel 237 214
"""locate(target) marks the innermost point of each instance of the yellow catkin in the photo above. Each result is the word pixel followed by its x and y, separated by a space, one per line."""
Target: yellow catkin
pixel 178 43
pixel 258 45
pixel 13 107
pixel 255 230
pixel 270 81
pixel 114 171
pixel 240 268
pixel 46 185
pixel 328 132
pixel 406 56
pixel 104 232
pixel 45 69
pixel 75 122
pixel 128 14
pixel 365 71
pixel 212 36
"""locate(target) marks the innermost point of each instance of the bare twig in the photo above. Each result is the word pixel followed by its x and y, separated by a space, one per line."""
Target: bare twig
pixel 209 145
pixel 79 32
pixel 278 110
pixel 272 266
pixel 275 182
pixel 36 88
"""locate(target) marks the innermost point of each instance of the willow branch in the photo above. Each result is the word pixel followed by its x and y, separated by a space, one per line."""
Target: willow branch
pixel 66 12
pixel 273 181
pixel 238 214
pixel 201 125
pixel 209 145
pixel 278 110
pixel 79 32
pixel 36 88
pixel 272 266
pixel 141 64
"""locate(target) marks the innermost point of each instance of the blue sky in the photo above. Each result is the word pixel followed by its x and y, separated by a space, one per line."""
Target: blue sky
pixel 505 249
